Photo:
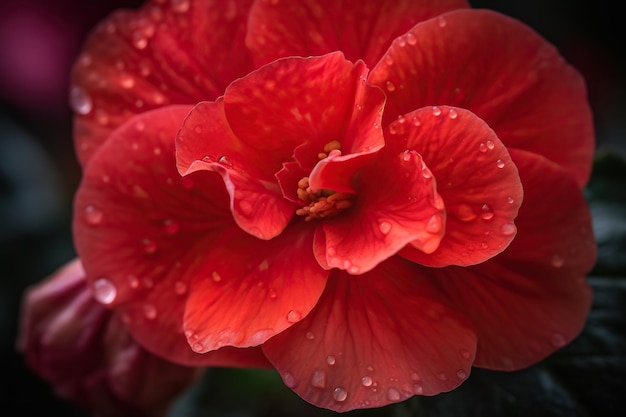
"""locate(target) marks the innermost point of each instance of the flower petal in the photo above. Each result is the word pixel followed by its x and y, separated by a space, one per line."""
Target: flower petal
pixel 396 203
pixel 317 27
pixel 499 69
pixel 305 100
pixel 476 178
pixel 206 142
pixel 140 256
pixel 248 290
pixel 373 340
pixel 531 299
pixel 136 61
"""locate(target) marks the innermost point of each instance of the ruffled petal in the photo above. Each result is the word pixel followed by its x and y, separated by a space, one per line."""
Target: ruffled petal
pixel 248 290
pixel 312 100
pixel 476 178
pixel 206 142
pixel 395 204
pixel 139 256
pixel 363 31
pixel 501 70
pixel 135 61
pixel 374 339
pixel 533 298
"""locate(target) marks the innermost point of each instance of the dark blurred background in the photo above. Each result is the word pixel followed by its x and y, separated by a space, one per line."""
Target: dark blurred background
pixel 39 40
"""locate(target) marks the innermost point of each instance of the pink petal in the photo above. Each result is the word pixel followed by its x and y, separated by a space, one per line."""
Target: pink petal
pixel 499 69
pixel 476 178
pixel 373 340
pixel 136 61
pixel 363 31
pixel 139 255
pixel 206 142
pixel 532 299
pixel 248 290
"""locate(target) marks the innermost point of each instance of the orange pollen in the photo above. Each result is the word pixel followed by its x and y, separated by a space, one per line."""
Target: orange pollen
pixel 322 203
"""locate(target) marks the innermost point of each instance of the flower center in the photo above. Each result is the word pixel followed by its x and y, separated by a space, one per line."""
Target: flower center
pixel 322 203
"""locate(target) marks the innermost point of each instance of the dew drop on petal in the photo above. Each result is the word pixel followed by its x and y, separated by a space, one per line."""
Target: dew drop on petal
pixel 294 316
pixel 225 161
pixel 104 290
pixel 434 224
pixel 510 200
pixel 442 376
pixel 149 311
pixel 330 359
pixel 558 340
pixel 465 213
pixel 390 86
pixel 80 101
pixel 508 229
pixel 318 380
pixel 340 394
pixel 461 374
pixel 272 293
pixel 93 216
pixel 490 145
pixel 384 227
pixel 411 39
pixel 133 281
pixel 419 390
pixel 216 277
pixel 436 111
pixel 441 21
pixel 500 163
pixel 482 147
pixel 453 114
pixel 415 376
pixel 557 261
pixel 465 354
pixel 393 394
pixel 309 335
pixel 367 381
pixel 486 212
pixel 289 380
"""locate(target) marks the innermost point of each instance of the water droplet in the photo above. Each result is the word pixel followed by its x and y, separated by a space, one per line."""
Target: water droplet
pixel 80 101
pixel 330 359
pixel 508 229
pixel 465 354
pixel 510 200
pixel 461 374
pixel 149 246
pixel 500 163
pixel 465 213
pixel 453 114
pixel 384 227
pixel 139 40
pixel 272 293
pixel 127 81
pixel 318 380
pixel 180 287
pixel 180 6
pixel 225 161
pixel 133 281
pixel 216 277
pixel 354 269
pixel 309 335
pixel 557 261
pixel 197 347
pixel 441 21
pixel 406 155
pixel 289 380
pixel 411 39
pixel 104 290
pixel 435 224
pixel 436 111
pixel 419 390
pixel 149 311
pixel 393 394
pixel 93 216
pixel 294 316
pixel 490 145
pixel 262 335
pixel 171 227
pixel 558 340
pixel 442 376
pixel 246 207
pixel 482 147
pixel 415 376
pixel 486 212
pixel 340 394
pixel 390 86
pixel 367 381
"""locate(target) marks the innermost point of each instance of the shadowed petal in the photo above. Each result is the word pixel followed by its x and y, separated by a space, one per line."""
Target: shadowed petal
pixel 372 340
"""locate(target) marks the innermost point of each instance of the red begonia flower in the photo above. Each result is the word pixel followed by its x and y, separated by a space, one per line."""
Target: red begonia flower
pixel 371 199
pixel 86 352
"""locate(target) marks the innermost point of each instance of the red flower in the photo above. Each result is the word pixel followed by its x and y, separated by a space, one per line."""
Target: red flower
pixel 85 351
pixel 370 199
